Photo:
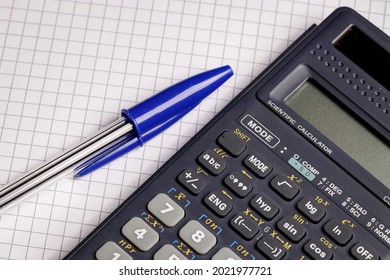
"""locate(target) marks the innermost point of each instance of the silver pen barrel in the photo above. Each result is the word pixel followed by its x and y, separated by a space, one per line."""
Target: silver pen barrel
pixel 75 155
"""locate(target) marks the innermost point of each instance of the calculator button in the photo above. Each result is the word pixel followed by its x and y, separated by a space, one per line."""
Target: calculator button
pixel 312 210
pixel 231 143
pixel 111 251
pixel 338 232
pixel 140 234
pixel 168 252
pixel 271 248
pixel 166 210
pixel 246 227
pixel 212 162
pixel 258 165
pixel 284 187
pixel 317 250
pixel 197 237
pixel 225 254
pixel 264 206
pixel 238 184
pixel 291 228
pixel 362 251
pixel 218 203
pixel 191 181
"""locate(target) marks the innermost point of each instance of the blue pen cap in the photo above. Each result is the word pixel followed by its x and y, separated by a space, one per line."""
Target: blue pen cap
pixel 175 99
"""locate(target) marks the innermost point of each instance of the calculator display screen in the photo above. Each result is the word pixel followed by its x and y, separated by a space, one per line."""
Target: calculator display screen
pixel 313 104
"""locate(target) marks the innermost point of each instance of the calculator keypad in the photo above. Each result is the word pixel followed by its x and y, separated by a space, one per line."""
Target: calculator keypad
pixel 111 251
pixel 237 182
pixel 253 211
pixel 258 165
pixel 225 254
pixel 212 162
pixel 284 187
pixel 338 232
pixel 244 226
pixel 363 251
pixel 191 181
pixel 291 228
pixel 166 210
pixel 264 206
pixel 218 203
pixel 168 252
pixel 231 143
pixel 271 248
pixel 313 211
pixel 317 250
pixel 197 237
pixel 140 234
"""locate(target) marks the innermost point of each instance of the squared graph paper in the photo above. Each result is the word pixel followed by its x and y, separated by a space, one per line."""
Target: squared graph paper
pixel 68 67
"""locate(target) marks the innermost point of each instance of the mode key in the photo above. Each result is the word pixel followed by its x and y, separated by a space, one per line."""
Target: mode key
pixel 211 162
pixel 258 165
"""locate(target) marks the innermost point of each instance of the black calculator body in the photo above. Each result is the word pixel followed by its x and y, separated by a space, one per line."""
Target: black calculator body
pixel 297 166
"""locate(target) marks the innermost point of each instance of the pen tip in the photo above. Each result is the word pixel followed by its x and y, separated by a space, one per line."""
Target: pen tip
pixel 80 173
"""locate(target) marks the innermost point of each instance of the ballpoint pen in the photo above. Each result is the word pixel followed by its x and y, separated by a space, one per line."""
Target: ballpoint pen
pixel 122 147
pixel 136 126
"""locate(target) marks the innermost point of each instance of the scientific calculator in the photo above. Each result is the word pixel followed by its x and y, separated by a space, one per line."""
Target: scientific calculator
pixel 297 166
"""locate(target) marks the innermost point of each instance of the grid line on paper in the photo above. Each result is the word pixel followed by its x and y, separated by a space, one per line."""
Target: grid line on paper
pixel 123 33
pixel 155 82
pixel 88 197
pixel 83 127
pixel 51 125
pixel 207 56
pixel 29 156
pixel 116 34
pixel 67 127
pixel 178 143
pixel 324 4
pixel 12 82
pixel 2 59
pixel 122 97
pixel 13 152
pixel 72 185
pixel 140 178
